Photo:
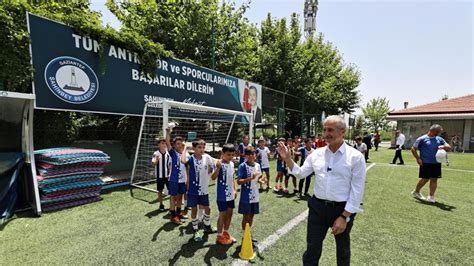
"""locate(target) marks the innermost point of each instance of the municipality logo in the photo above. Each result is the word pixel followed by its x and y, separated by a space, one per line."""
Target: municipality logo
pixel 71 80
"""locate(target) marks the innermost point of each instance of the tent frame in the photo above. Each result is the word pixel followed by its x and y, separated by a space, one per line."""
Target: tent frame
pixel 27 141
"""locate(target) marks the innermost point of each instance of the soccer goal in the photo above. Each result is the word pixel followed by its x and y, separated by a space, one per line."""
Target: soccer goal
pixel 214 125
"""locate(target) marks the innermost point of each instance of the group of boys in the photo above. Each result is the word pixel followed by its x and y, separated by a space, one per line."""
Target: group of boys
pixel 188 176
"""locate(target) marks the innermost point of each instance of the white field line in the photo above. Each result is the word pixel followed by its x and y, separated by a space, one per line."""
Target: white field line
pixel 273 238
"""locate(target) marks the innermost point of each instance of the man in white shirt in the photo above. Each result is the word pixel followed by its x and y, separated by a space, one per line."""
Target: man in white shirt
pixel 338 189
pixel 399 147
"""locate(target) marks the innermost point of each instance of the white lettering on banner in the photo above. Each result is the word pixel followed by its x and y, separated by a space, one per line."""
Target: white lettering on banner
pixel 188 71
pixel 92 45
pixel 172 82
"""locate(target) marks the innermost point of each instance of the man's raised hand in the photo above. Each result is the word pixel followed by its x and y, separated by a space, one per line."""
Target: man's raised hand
pixel 283 150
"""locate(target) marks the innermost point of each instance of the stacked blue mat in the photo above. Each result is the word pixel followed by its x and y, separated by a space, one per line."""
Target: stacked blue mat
pixel 69 177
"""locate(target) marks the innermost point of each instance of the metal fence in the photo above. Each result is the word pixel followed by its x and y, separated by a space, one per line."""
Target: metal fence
pixel 284 115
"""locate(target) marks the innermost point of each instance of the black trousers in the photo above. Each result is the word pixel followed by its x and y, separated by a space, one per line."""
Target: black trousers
pixel 367 155
pixel 306 180
pixel 398 155
pixel 321 218
pixel 376 144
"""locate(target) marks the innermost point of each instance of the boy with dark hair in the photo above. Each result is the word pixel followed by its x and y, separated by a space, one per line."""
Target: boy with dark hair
pixel 201 166
pixel 249 175
pixel 360 146
pixel 281 169
pixel 178 178
pixel 226 192
pixel 304 152
pixel 240 152
pixel 161 160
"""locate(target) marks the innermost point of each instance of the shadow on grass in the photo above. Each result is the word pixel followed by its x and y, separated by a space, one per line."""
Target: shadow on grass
pixel 188 249
pixel 440 205
pixel 157 212
pixel 167 227
pixel 286 195
pixel 216 251
pixel 20 214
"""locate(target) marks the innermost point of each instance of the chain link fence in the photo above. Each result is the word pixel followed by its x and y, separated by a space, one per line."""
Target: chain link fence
pixel 286 115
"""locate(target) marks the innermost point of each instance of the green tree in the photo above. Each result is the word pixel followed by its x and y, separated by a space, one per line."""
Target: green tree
pixel 359 126
pixel 375 113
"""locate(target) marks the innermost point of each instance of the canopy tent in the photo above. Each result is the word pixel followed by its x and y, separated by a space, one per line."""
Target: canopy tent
pixel 19 187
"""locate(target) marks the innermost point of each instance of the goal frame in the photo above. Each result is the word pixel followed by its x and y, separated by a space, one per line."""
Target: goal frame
pixel 166 105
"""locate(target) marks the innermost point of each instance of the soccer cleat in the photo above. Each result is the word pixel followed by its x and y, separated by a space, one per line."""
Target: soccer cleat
pixel 275 189
pixel 223 240
pixel 418 195
pixel 286 191
pixel 162 207
pixel 197 236
pixel 431 199
pixel 209 229
pixel 183 216
pixel 229 236
pixel 176 220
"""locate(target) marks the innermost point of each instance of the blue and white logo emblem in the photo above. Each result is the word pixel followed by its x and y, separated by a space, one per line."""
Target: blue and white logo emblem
pixel 71 80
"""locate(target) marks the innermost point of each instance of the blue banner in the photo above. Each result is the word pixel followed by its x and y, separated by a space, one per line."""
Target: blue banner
pixel 68 77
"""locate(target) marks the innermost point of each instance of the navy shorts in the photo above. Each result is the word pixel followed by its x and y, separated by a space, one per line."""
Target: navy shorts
pixel 266 170
pixel 249 208
pixel 195 200
pixel 224 205
pixel 176 188
pixel 161 183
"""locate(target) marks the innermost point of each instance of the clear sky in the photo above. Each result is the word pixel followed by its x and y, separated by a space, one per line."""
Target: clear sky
pixel 415 51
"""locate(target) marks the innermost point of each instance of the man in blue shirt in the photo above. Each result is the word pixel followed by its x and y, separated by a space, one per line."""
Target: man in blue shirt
pixel 430 168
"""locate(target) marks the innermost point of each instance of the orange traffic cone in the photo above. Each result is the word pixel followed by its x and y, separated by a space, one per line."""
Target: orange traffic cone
pixel 246 251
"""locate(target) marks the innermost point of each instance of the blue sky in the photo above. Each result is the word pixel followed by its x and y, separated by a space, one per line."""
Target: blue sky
pixel 415 51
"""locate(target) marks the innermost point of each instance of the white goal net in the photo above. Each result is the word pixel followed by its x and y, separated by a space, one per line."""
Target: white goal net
pixel 213 125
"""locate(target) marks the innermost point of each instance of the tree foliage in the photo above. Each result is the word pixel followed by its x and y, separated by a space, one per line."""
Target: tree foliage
pixel 375 113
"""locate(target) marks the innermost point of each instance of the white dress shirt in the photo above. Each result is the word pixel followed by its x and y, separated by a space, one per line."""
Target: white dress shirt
pixel 339 176
pixel 400 141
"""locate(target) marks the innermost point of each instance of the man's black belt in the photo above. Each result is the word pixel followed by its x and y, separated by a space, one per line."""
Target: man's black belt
pixel 330 202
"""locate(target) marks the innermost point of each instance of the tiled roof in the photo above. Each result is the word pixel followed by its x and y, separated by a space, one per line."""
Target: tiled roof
pixel 464 104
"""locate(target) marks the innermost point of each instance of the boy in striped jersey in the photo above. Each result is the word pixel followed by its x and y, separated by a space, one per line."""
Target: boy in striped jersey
pixel 162 162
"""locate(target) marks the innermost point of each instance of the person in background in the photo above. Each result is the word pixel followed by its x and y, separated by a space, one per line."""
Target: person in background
pixel 430 168
pixel 368 141
pixel 240 152
pixel 376 140
pixel 304 152
pixel 291 147
pixel 360 146
pixel 399 145
pixel 320 142
pixel 263 154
